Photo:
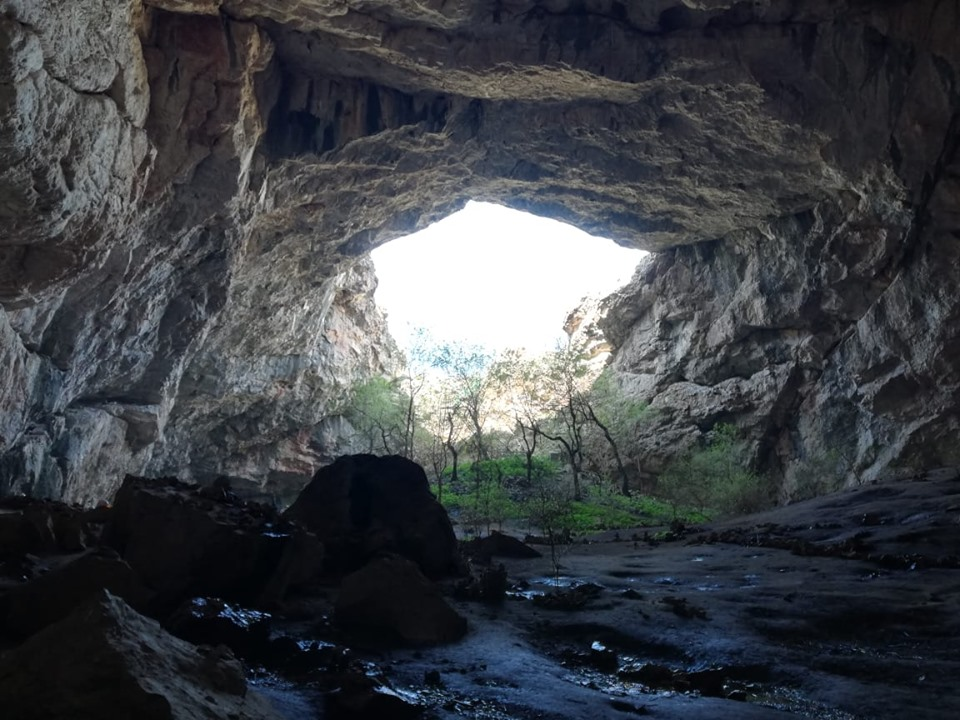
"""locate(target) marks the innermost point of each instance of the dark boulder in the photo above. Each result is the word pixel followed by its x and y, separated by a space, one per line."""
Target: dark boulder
pixel 27 608
pixel 184 542
pixel 107 661
pixel 390 601
pixel 363 505
pixel 211 621
pixel 362 698
pixel 498 544
pixel 28 525
pixel 488 586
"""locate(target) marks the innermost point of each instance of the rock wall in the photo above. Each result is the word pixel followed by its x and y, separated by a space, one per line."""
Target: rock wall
pixel 829 337
pixel 188 188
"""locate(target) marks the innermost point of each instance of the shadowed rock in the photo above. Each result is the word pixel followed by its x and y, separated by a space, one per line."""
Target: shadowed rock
pixel 107 661
pixel 362 505
pixel 183 542
pixel 54 595
pixel 498 544
pixel 390 601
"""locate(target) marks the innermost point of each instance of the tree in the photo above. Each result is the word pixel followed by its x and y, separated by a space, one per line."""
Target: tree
pixel 465 368
pixel 467 382
pixel 377 410
pixel 569 375
pixel 616 416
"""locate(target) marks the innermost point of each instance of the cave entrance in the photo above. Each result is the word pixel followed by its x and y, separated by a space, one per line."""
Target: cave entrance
pixel 495 277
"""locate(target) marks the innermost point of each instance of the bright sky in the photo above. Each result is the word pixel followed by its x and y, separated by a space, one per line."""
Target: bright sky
pixel 496 277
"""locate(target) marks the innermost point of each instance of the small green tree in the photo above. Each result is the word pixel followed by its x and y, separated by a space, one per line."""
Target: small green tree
pixel 615 416
pixel 549 508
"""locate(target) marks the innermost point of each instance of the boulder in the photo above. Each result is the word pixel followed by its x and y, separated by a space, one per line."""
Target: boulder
pixel 361 698
pixel 186 542
pixel 35 526
pixel 489 586
pixel 53 596
pixel 390 601
pixel 363 505
pixel 107 661
pixel 498 544
pixel 211 621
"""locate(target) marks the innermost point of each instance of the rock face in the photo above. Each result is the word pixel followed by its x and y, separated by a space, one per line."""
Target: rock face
pixel 363 505
pixel 831 339
pixel 189 187
pixel 105 660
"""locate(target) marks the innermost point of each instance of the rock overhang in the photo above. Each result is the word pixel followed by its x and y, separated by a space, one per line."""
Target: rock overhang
pixel 285 141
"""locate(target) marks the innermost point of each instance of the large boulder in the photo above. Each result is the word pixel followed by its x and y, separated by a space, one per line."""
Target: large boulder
pixel 185 541
pixel 27 608
pixel 363 505
pixel 107 661
pixel 390 601
pixel 35 526
pixel 498 544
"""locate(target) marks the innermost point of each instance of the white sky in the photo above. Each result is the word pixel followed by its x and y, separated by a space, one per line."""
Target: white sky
pixel 496 277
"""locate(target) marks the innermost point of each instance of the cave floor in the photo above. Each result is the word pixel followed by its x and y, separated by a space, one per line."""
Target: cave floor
pixel 843 607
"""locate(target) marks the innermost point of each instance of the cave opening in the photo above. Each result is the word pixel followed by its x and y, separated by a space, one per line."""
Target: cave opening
pixel 496 278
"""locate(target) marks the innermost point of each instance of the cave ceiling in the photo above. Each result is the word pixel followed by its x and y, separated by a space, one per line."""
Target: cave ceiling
pixel 189 189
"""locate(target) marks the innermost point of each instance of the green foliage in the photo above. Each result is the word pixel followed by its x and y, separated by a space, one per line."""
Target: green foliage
pixel 607 510
pixel 612 406
pixel 508 468
pixel 716 477
pixel 485 505
pixel 377 409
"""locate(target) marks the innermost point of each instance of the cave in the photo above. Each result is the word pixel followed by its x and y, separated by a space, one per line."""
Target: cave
pixel 189 190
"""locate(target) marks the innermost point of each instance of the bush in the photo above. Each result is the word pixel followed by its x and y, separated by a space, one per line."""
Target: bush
pixel 510 468
pixel 605 509
pixel 716 478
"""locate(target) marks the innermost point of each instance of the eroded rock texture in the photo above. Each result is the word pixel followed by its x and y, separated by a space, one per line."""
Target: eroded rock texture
pixel 188 187
pixel 105 659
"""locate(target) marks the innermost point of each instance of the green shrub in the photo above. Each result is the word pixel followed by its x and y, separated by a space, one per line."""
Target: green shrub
pixel 716 478
pixel 480 505
pixel 606 509
pixel 510 467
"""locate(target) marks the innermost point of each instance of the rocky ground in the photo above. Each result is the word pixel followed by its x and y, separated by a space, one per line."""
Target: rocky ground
pixel 844 607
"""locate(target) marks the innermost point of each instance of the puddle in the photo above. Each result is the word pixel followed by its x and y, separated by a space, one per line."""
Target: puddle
pixel 792 701
pixel 563 581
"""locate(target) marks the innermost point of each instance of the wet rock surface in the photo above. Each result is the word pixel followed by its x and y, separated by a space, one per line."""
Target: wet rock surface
pixel 734 620
pixel 833 637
